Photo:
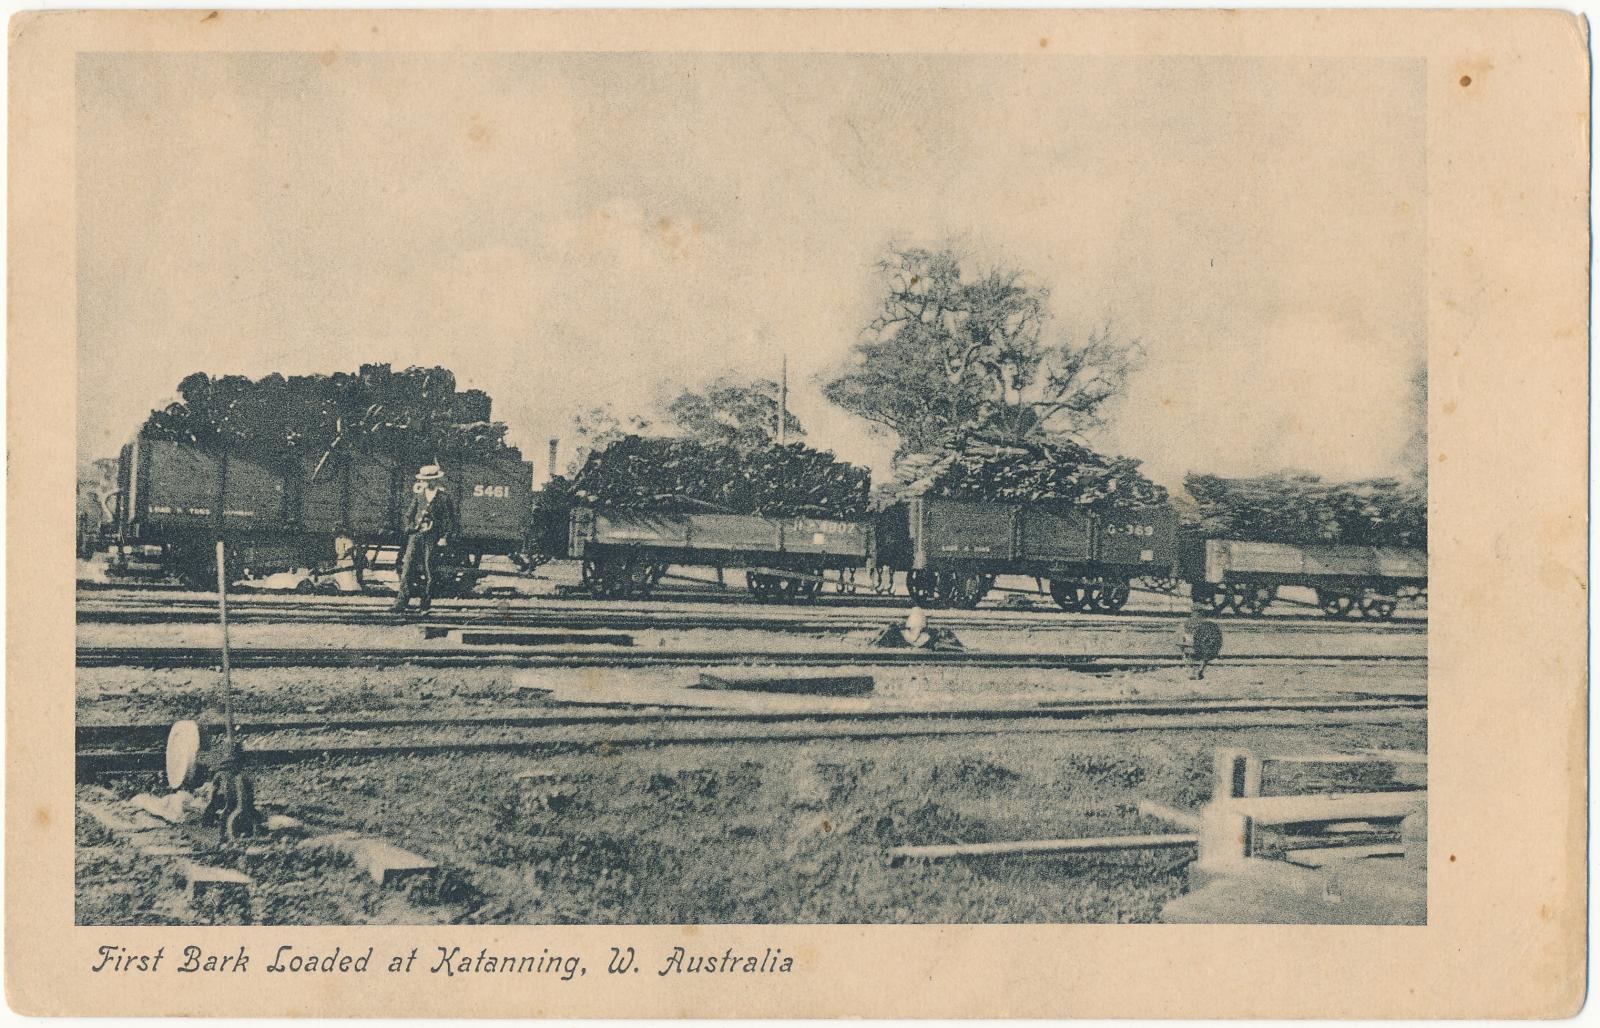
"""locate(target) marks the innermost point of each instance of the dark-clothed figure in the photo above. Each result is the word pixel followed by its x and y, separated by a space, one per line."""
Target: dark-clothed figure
pixel 430 521
pixel 1201 642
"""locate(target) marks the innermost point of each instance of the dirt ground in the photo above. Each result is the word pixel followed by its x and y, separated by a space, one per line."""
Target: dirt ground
pixel 774 833
pixel 743 831
pixel 122 694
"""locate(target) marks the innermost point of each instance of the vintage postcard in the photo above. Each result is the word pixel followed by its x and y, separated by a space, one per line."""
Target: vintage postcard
pixel 783 513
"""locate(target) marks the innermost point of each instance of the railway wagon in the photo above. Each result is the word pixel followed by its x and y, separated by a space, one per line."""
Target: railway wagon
pixel 952 550
pixel 1245 576
pixel 626 553
pixel 174 499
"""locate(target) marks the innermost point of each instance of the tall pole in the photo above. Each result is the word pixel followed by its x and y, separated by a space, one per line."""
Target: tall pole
pixel 222 610
pixel 783 404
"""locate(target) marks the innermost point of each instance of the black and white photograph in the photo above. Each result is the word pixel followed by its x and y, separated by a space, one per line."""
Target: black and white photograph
pixel 752 488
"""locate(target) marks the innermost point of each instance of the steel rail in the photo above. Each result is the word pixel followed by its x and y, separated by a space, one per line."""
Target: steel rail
pixel 526 657
pixel 669 620
pixel 113 733
pixel 96 762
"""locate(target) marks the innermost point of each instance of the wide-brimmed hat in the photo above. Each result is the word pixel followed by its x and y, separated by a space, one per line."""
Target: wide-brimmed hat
pixel 430 473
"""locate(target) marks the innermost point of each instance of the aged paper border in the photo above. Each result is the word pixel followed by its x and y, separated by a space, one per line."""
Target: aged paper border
pixel 1508 323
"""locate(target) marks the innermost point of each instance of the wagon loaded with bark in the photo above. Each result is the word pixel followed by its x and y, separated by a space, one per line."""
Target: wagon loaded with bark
pixel 951 551
pixel 1081 523
pixel 787 515
pixel 313 471
pixel 1361 547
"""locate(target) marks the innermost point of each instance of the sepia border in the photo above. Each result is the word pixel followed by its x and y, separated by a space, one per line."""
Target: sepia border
pixel 1508 143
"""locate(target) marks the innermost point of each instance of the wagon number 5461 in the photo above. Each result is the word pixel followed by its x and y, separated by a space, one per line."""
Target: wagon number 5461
pixel 492 490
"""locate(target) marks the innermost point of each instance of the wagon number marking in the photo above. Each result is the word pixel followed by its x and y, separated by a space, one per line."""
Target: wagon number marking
pixel 502 491
pixel 1135 530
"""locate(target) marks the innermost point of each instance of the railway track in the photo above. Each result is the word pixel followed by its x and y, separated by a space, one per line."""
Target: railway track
pixel 666 599
pixel 286 742
pixel 523 657
pixel 798 620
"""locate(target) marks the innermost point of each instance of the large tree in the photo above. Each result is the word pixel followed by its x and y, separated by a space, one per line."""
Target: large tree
pixel 954 349
pixel 729 412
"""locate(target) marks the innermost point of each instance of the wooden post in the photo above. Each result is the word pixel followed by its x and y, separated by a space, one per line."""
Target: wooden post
pixel 1237 775
pixel 1227 834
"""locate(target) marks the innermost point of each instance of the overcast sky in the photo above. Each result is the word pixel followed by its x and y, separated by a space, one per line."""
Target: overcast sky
pixel 570 230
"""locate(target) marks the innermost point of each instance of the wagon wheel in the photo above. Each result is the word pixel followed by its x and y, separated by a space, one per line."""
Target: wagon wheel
pixel 1112 597
pixel 1068 594
pixel 1336 605
pixel 1159 583
pixel 1252 599
pixel 791 589
pixel 606 579
pixel 782 589
pixel 641 578
pixel 760 586
pixel 196 568
pixel 1377 608
pixel 942 589
pixel 922 586
pixel 1217 599
pixel 964 591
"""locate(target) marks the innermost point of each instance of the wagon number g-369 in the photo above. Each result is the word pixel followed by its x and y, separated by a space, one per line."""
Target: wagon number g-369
pixel 502 491
pixel 1134 530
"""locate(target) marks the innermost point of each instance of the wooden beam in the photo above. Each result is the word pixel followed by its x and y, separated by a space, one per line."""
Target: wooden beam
pixel 1038 847
pixel 1362 757
pixel 386 863
pixel 201 881
pixel 1359 806
pixel 1323 856
pixel 814 685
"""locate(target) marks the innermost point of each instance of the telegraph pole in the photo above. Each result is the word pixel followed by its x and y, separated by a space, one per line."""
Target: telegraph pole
pixel 783 404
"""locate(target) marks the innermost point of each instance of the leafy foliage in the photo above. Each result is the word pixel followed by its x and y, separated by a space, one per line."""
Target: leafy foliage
pixel 955 351
pixel 743 415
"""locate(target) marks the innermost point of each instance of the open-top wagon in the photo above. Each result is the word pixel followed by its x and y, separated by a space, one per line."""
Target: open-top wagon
pixel 952 550
pixel 1244 576
pixel 175 499
pixel 626 553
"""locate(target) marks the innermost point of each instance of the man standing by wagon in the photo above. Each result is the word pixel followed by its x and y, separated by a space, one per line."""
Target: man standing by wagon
pixel 430 521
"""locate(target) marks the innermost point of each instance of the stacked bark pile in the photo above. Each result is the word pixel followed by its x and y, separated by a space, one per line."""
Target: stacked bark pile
pixel 1059 472
pixel 1304 510
pixel 660 474
pixel 412 416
